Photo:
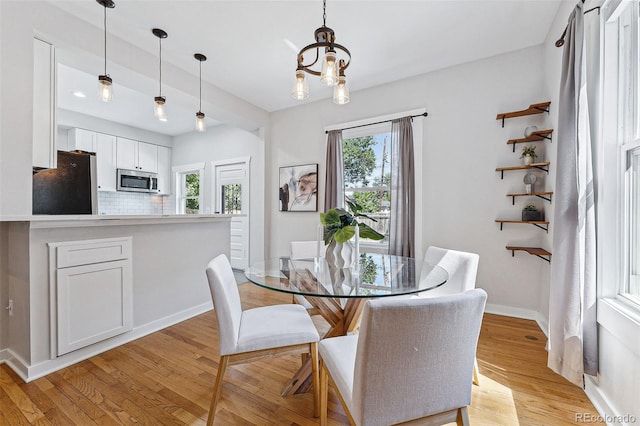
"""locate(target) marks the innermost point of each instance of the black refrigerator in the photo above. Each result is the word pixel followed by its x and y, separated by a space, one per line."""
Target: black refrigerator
pixel 71 188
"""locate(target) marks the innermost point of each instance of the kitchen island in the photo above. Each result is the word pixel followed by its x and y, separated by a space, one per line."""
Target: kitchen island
pixel 160 260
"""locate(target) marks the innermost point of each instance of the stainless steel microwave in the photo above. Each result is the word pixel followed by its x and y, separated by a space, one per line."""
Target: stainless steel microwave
pixel 136 181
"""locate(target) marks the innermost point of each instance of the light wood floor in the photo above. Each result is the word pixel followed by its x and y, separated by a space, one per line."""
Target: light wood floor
pixel 167 378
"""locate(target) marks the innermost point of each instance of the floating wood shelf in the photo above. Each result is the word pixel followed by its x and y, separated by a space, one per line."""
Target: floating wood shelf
pixel 539 166
pixel 536 194
pixel 536 223
pixel 533 109
pixel 534 251
pixel 538 136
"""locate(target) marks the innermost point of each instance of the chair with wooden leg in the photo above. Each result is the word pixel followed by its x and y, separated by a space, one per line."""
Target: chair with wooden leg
pixel 462 268
pixel 408 364
pixel 258 333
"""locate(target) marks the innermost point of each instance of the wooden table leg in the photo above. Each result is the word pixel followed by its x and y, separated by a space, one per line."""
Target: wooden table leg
pixel 342 320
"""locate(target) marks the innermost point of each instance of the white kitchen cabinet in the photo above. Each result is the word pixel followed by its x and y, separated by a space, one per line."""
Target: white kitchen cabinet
pixel 81 140
pixel 164 170
pixel 92 292
pixel 135 155
pixel 44 152
pixel 106 162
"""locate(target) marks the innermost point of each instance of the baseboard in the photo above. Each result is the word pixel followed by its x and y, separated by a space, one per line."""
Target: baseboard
pixel 522 313
pixel 32 372
pixel 17 364
pixel 604 407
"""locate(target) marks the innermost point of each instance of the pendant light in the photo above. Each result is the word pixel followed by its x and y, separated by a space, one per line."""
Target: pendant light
pixel 332 71
pixel 159 111
pixel 106 84
pixel 200 115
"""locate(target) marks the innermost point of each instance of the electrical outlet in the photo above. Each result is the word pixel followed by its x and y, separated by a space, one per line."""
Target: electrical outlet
pixel 10 307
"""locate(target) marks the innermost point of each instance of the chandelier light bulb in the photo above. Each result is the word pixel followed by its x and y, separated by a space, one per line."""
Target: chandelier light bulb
pixel 341 91
pixel 300 89
pixel 200 121
pixel 329 74
pixel 106 88
pixel 159 110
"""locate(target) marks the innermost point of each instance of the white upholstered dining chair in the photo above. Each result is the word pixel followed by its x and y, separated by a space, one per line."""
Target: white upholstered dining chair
pixel 258 333
pixel 398 369
pixel 306 250
pixel 462 268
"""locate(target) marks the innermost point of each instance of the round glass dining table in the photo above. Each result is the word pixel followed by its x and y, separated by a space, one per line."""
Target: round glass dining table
pixel 339 294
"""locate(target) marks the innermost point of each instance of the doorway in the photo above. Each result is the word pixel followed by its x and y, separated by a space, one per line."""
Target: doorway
pixel 232 186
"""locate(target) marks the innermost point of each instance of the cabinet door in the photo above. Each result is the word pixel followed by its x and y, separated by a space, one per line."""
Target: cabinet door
pixel 81 139
pixel 164 170
pixel 106 162
pixel 127 154
pixel 147 157
pixel 44 105
pixel 94 303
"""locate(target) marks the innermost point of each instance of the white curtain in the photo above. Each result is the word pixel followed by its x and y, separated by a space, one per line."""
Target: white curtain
pixel 334 179
pixel 573 346
pixel 403 199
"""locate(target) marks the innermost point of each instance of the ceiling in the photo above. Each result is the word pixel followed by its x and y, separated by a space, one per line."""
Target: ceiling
pixel 252 45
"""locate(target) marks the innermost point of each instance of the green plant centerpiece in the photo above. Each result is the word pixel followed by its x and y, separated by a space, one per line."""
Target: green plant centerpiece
pixel 529 154
pixel 339 228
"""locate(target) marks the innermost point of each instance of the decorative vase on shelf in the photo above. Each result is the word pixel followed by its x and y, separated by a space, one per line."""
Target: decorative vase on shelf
pixel 527 159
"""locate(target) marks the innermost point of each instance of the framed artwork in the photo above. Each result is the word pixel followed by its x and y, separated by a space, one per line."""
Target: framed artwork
pixel 298 190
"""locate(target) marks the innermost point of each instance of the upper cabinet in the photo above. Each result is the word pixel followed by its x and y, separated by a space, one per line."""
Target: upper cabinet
pixel 81 140
pixel 135 155
pixel 104 147
pixel 164 170
pixel 44 105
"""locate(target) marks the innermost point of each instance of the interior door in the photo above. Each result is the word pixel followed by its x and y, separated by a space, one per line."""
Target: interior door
pixel 232 197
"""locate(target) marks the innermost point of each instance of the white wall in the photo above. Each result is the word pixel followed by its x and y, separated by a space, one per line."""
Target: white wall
pixel 223 143
pixel 463 143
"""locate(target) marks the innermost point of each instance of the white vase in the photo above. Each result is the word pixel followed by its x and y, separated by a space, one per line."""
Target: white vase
pixel 527 159
pixel 340 255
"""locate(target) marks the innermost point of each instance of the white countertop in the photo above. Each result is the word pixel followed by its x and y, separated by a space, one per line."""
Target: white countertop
pixel 55 221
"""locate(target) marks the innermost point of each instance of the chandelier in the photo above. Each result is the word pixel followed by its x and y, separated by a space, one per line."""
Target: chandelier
pixel 333 67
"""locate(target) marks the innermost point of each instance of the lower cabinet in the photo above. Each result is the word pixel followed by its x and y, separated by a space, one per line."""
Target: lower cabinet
pixel 93 288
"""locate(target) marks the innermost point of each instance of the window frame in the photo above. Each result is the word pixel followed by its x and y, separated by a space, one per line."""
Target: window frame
pixel 180 173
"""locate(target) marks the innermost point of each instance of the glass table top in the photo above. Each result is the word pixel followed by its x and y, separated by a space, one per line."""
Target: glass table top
pixel 376 275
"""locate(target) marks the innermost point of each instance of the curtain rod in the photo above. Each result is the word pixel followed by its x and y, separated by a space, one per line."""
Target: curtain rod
pixel 424 114
pixel 560 41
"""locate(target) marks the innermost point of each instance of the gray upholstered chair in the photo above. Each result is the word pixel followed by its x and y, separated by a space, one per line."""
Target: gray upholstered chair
pixel 462 268
pixel 412 360
pixel 257 333
pixel 306 250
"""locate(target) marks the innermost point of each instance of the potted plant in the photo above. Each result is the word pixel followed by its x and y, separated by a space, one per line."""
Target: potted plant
pixel 531 213
pixel 340 227
pixel 529 154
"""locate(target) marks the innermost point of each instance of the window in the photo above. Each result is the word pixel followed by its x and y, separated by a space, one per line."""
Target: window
pixel 367 175
pixel 189 188
pixel 622 141
pixel 232 199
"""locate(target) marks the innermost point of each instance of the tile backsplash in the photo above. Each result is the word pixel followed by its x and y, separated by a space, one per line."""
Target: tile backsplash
pixel 126 203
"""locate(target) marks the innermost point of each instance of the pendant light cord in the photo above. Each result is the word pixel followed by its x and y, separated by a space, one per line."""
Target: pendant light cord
pixel 105 40
pixel 200 107
pixel 160 81
pixel 324 13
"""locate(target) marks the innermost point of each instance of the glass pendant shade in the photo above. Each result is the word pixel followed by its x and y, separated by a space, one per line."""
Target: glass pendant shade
pixel 106 88
pixel 300 89
pixel 329 73
pixel 159 110
pixel 200 121
pixel 341 91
